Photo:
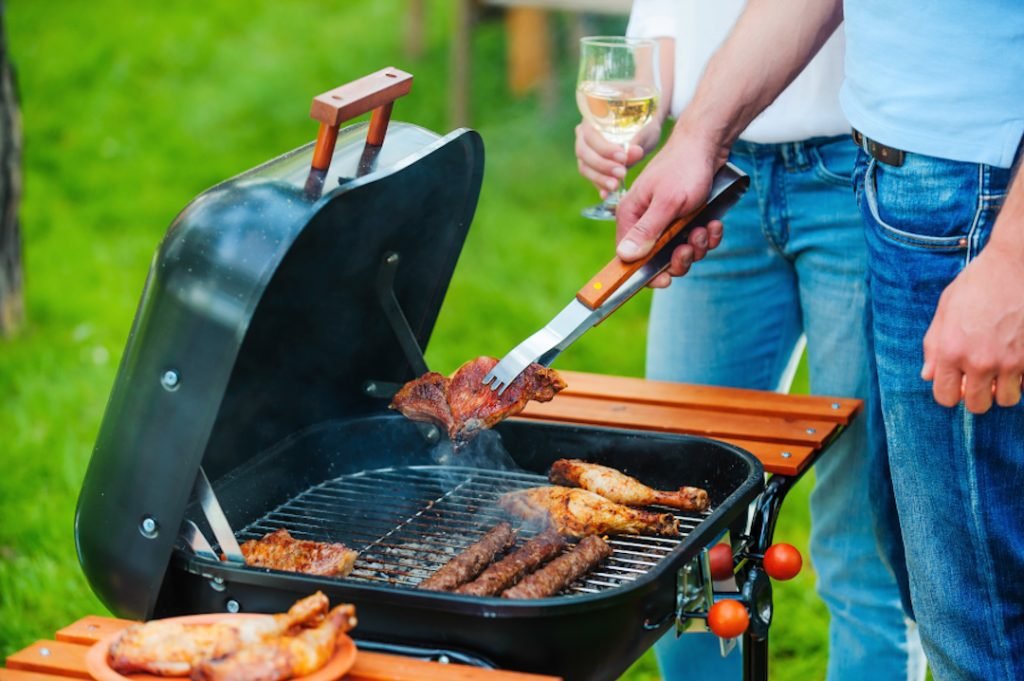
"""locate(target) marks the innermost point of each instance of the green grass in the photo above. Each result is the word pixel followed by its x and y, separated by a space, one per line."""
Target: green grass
pixel 131 109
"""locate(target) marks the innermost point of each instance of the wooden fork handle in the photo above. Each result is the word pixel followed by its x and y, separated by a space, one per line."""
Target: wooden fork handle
pixel 615 273
pixel 375 92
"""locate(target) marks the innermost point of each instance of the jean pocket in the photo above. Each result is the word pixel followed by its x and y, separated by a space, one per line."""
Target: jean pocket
pixel 833 161
pixel 919 214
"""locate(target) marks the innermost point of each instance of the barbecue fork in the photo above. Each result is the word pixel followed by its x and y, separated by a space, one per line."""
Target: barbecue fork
pixel 615 284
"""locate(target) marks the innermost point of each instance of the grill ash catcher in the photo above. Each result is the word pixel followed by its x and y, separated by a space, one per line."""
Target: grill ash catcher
pixel 283 308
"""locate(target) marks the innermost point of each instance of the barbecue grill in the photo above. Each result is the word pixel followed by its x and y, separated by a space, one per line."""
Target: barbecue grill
pixel 283 308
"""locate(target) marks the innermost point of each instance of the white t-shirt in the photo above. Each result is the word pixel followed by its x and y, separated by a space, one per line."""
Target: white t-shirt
pixel 808 108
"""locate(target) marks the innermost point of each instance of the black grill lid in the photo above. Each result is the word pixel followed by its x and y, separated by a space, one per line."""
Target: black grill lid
pixel 261 317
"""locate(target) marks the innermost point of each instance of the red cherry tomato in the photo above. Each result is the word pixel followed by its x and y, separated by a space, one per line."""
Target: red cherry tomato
pixel 782 561
pixel 728 618
pixel 720 558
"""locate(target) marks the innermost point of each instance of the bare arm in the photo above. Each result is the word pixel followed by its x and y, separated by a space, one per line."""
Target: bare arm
pixel 974 347
pixel 771 43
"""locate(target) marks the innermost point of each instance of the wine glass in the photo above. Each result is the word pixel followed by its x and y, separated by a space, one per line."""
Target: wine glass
pixel 617 92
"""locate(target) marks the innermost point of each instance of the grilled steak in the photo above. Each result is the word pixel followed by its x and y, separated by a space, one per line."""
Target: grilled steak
pixel 471 562
pixel 562 571
pixel 176 649
pixel 512 567
pixel 280 551
pixel 577 513
pixel 464 406
pixel 622 489
pixel 282 657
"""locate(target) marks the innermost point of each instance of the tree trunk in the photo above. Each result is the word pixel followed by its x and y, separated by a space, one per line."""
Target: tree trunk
pixel 11 300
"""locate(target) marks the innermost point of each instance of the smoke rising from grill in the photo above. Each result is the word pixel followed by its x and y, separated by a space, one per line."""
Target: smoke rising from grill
pixel 486 450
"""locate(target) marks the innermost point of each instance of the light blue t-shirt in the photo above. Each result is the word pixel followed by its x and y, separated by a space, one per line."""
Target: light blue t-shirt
pixel 937 77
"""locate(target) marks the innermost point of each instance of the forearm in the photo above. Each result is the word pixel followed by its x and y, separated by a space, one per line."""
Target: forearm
pixel 772 41
pixel 1008 232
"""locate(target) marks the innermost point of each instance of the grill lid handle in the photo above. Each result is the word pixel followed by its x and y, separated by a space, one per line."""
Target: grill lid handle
pixel 377 92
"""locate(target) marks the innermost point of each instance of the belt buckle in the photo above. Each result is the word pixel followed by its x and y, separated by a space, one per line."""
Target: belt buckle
pixel 880 152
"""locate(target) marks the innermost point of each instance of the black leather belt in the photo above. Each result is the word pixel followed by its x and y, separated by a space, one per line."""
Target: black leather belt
pixel 878 151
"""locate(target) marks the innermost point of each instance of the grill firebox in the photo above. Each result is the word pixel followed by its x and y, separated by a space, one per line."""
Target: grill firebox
pixel 285 309
pixel 433 513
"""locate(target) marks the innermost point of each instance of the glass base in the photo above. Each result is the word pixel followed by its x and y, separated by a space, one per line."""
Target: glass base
pixel 602 211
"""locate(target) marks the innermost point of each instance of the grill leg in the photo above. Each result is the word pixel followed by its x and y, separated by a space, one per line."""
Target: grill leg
pixel 755 658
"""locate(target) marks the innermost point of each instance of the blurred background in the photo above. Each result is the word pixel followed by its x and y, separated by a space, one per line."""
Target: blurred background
pixel 130 109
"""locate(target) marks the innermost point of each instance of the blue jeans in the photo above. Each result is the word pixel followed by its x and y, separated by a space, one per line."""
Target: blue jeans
pixel 793 261
pixel 958 478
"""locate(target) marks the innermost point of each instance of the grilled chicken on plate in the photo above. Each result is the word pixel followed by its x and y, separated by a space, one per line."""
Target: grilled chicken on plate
pixel 282 657
pixel 169 648
pixel 622 489
pixel 577 513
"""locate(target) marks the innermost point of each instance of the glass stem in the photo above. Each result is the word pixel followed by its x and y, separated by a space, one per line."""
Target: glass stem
pixel 616 196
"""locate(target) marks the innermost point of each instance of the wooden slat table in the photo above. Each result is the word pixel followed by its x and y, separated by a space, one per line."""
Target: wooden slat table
pixel 64 658
pixel 786 432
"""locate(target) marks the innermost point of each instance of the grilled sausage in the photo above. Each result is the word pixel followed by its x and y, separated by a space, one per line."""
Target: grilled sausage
pixel 512 567
pixel 471 562
pixel 562 571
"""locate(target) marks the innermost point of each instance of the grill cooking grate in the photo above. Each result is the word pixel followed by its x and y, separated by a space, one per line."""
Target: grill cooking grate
pixel 406 522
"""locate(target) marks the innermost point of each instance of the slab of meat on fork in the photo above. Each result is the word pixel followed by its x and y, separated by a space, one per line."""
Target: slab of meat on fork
pixel 622 489
pixel 464 406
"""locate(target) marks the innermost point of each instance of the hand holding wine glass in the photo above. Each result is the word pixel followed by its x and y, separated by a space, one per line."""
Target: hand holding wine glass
pixel 617 92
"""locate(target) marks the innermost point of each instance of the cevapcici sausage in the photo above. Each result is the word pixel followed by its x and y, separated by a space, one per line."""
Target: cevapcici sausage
pixel 562 571
pixel 471 562
pixel 512 567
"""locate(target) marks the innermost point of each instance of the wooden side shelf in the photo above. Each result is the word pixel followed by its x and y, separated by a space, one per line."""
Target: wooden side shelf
pixel 785 432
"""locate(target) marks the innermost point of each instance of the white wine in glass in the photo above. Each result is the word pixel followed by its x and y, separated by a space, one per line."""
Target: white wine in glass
pixel 617 92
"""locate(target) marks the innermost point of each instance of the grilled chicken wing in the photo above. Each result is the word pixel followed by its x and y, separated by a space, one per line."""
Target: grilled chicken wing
pixel 577 513
pixel 464 406
pixel 622 489
pixel 282 657
pixel 176 649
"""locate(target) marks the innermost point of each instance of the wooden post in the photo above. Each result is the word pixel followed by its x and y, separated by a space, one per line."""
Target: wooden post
pixel 11 297
pixel 460 71
pixel 529 49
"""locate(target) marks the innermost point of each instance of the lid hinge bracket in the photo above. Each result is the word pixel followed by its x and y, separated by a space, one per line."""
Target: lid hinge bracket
pixel 393 311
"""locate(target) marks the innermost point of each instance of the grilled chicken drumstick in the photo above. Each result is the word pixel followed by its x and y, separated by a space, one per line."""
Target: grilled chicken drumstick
pixel 622 489
pixel 471 562
pixel 176 649
pixel 464 406
pixel 562 571
pixel 577 513
pixel 283 657
pixel 512 567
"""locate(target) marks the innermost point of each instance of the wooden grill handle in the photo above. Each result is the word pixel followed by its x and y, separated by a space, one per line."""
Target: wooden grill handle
pixel 377 92
pixel 613 275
